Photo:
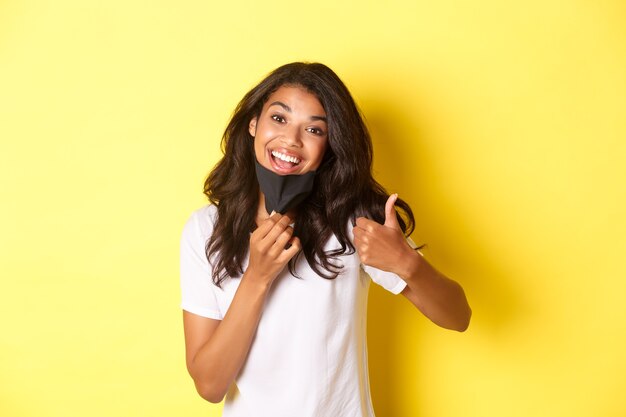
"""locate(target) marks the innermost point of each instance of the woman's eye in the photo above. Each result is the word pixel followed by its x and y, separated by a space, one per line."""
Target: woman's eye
pixel 278 118
pixel 316 131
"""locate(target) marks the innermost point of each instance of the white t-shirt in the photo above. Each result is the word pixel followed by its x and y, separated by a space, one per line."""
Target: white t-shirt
pixel 309 354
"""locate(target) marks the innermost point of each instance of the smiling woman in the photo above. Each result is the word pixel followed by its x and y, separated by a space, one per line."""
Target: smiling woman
pixel 274 345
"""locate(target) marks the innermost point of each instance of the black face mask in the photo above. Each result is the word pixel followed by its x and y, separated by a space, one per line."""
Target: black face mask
pixel 283 192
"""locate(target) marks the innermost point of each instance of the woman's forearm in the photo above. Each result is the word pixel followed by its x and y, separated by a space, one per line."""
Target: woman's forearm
pixel 438 297
pixel 219 360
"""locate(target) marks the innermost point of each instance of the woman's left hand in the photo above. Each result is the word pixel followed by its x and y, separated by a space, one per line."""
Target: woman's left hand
pixel 383 246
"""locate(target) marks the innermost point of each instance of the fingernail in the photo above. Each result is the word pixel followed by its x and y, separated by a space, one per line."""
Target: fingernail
pixel 272 213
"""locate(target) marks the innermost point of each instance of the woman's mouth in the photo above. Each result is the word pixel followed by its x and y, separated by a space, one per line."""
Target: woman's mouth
pixel 284 163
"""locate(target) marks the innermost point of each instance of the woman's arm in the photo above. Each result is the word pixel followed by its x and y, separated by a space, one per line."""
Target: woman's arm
pixel 384 246
pixel 216 350
pixel 438 297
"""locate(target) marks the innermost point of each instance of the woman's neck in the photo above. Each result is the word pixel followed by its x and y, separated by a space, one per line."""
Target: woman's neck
pixel 263 215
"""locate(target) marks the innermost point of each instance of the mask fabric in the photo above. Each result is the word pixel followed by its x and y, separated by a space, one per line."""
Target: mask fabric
pixel 283 192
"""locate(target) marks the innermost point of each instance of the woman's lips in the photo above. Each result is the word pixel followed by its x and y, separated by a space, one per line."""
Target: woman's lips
pixel 283 167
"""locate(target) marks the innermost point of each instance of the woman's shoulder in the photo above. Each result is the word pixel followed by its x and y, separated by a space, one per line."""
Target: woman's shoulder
pixel 208 209
pixel 202 219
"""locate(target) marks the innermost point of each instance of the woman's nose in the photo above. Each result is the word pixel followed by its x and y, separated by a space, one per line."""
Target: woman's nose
pixel 292 137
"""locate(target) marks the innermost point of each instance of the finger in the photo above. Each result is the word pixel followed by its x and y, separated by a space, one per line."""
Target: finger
pixel 391 219
pixel 267 224
pixel 259 236
pixel 281 242
pixel 357 242
pixel 295 247
pixel 366 224
pixel 362 251
pixel 361 239
pixel 278 228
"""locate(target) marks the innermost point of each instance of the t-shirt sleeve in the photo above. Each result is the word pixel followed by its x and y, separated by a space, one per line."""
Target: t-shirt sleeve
pixel 197 288
pixel 388 280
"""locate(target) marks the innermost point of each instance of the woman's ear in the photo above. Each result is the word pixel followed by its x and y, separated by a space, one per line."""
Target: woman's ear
pixel 252 127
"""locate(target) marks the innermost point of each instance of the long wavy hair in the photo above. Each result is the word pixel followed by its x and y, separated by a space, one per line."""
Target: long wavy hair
pixel 344 188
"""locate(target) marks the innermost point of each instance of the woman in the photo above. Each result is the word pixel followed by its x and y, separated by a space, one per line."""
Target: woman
pixel 273 270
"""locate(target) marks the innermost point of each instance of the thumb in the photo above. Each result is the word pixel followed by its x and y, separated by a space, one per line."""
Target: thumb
pixel 390 212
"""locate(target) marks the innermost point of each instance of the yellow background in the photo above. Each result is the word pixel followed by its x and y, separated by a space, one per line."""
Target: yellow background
pixel 503 124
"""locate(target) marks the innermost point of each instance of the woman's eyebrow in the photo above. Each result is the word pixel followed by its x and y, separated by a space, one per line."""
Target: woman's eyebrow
pixel 288 109
pixel 281 104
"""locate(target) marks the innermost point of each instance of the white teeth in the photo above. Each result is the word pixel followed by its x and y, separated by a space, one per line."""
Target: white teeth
pixel 286 158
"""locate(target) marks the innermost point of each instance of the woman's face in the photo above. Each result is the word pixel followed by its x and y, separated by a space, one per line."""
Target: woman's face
pixel 291 134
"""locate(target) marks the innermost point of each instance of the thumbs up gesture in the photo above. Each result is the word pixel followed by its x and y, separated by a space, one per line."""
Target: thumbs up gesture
pixel 382 246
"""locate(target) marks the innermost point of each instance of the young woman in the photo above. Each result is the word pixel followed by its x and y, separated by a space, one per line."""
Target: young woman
pixel 275 270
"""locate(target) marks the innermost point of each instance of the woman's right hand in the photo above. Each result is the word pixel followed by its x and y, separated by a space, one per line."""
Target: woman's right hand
pixel 268 252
